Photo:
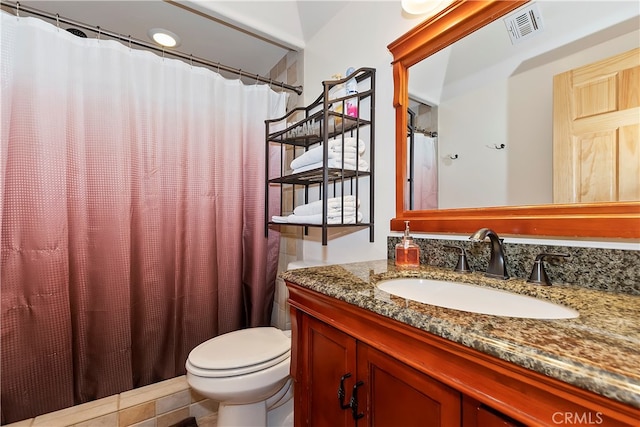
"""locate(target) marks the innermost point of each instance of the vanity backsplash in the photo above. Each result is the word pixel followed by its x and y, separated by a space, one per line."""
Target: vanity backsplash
pixel 613 270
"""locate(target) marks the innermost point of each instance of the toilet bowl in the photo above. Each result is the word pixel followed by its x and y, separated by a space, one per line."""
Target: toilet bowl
pixel 247 372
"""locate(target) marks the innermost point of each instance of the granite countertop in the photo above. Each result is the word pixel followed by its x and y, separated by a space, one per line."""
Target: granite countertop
pixel 598 351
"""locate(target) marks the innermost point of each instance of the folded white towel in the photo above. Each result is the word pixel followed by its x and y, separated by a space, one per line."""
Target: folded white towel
pixel 347 215
pixel 317 219
pixel 333 204
pixel 351 143
pixel 363 166
pixel 279 219
pixel 348 152
pixel 308 157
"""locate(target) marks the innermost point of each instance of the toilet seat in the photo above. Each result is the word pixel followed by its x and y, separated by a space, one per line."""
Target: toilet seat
pixel 240 352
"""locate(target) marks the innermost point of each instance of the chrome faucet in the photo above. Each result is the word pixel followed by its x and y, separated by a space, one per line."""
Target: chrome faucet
pixel 497 263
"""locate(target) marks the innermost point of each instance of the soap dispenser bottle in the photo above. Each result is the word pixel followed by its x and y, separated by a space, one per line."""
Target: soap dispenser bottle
pixel 407 252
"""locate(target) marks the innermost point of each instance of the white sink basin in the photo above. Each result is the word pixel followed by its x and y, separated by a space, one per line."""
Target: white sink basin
pixel 475 299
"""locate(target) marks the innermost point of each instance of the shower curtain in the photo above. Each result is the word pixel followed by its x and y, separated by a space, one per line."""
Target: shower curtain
pixel 425 188
pixel 132 204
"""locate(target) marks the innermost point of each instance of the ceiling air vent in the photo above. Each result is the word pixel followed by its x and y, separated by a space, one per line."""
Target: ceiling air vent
pixel 524 23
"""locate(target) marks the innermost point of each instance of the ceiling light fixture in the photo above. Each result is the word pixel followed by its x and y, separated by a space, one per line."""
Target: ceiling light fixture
pixel 164 37
pixel 421 7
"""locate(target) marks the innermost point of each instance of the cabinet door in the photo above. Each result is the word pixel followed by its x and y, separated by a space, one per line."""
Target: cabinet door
pixel 395 394
pixel 476 414
pixel 328 354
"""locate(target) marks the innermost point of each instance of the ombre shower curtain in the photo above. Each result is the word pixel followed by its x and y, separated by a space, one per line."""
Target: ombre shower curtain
pixel 425 163
pixel 132 204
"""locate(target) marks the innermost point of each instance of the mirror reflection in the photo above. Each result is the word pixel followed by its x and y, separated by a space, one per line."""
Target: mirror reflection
pixel 482 109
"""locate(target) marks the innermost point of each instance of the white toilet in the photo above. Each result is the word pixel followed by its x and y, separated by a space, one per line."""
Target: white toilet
pixel 247 371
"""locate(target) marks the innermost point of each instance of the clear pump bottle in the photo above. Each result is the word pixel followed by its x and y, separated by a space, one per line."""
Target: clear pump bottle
pixel 407 252
pixel 352 89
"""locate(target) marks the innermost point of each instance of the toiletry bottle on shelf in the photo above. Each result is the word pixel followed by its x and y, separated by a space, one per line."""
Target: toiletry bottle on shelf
pixel 352 89
pixel 407 252
pixel 338 91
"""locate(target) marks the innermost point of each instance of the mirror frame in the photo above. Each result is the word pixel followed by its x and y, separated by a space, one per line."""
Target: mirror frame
pixel 597 220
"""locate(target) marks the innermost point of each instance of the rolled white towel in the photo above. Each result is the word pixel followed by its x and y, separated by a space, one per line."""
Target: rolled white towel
pixel 333 204
pixel 363 166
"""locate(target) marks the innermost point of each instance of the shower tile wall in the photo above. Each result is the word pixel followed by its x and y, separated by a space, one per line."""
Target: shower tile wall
pixel 288 70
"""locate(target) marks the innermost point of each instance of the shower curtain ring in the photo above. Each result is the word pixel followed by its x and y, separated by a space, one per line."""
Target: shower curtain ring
pixel 257 79
pixel 58 20
pixel 240 75
pixel 17 9
pixel 129 41
pixel 99 32
pixel 191 59
pixel 218 68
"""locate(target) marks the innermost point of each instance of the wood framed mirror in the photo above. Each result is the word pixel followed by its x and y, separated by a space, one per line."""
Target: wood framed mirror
pixel 595 220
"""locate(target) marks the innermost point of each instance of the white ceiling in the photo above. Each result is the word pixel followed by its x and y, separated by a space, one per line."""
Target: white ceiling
pixel 254 35
pixel 248 35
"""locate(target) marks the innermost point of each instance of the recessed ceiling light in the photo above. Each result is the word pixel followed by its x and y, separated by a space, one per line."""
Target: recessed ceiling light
pixel 164 37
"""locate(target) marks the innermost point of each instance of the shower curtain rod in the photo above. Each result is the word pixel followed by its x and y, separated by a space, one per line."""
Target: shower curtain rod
pixel 131 41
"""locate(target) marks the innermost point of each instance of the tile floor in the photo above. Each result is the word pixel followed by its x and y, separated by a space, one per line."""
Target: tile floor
pixel 156 405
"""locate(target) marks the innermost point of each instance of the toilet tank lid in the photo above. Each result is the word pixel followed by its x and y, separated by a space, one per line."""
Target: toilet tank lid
pixel 240 348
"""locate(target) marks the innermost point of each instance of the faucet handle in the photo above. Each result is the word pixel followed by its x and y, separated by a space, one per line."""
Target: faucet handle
pixel 538 274
pixel 462 266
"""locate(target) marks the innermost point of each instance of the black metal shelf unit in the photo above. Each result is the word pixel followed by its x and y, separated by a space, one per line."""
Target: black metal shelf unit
pixel 327 122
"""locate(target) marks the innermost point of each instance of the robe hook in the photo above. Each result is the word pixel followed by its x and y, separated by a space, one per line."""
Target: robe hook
pixel 499 147
pixel 455 156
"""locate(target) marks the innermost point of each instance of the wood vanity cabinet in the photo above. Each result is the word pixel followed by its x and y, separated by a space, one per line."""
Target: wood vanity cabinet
pixel 345 382
pixel 402 376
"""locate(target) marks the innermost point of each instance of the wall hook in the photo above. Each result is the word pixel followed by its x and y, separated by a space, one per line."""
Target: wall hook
pixel 453 157
pixel 499 147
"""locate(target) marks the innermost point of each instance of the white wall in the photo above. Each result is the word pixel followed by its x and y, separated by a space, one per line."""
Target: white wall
pixel 507 105
pixel 359 37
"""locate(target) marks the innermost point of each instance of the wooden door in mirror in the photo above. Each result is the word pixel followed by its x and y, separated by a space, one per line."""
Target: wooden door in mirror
pixel 597 220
